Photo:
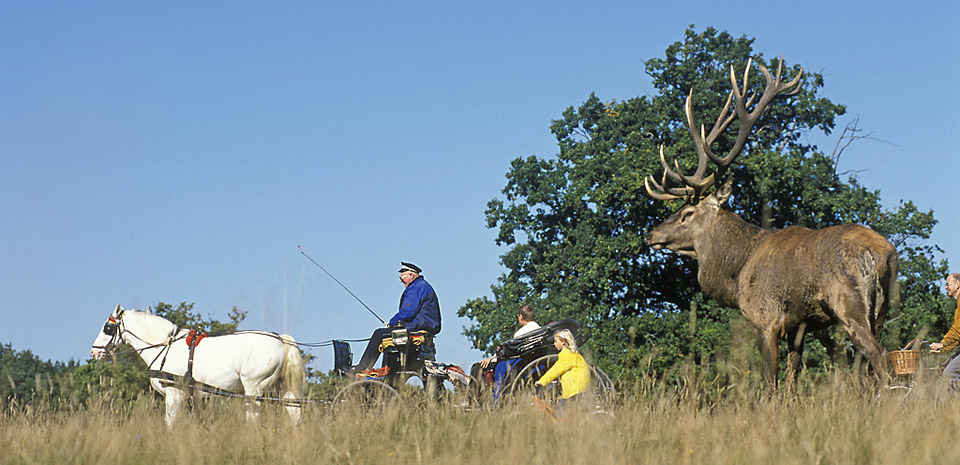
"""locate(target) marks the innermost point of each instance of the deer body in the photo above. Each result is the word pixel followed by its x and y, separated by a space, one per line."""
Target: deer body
pixel 788 281
pixel 784 282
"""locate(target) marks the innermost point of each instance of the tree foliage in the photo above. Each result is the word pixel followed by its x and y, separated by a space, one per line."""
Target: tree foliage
pixel 574 224
pixel 25 378
pixel 183 316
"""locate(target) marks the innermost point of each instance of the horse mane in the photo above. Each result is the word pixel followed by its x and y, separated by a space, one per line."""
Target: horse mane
pixel 149 327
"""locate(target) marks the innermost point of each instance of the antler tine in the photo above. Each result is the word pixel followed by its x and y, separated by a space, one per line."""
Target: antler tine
pixel 660 191
pixel 719 128
pixel 700 141
pixel 666 167
pixel 655 194
pixel 747 116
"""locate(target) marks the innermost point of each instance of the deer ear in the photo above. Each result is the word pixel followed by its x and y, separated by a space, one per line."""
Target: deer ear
pixel 723 192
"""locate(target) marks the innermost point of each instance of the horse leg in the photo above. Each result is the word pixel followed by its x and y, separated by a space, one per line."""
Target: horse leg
pixel 172 399
pixel 293 408
pixel 254 388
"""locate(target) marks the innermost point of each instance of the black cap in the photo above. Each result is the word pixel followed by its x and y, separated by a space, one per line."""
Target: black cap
pixel 404 266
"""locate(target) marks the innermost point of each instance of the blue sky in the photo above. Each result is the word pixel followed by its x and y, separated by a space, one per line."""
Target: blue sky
pixel 180 152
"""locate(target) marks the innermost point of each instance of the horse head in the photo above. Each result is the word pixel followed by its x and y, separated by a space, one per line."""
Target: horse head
pixel 109 335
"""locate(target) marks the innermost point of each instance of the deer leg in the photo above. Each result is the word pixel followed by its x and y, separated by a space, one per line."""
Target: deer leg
pixel 767 340
pixel 862 338
pixel 854 311
pixel 794 357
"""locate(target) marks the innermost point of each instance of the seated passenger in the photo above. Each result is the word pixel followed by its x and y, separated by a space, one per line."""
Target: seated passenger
pixel 525 317
pixel 571 368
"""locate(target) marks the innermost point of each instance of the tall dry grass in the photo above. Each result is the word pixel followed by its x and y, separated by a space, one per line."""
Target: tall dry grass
pixel 836 420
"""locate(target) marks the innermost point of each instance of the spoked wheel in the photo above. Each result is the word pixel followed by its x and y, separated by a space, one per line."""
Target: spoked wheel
pixel 366 395
pixel 601 390
pixel 897 390
pixel 523 383
pixel 605 395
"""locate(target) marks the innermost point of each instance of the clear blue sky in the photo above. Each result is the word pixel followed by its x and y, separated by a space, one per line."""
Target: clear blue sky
pixel 180 152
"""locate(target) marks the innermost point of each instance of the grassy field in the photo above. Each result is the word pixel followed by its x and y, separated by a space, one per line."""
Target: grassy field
pixel 837 420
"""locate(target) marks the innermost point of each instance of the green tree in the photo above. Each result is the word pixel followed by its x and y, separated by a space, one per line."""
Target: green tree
pixel 25 378
pixel 574 223
pixel 183 315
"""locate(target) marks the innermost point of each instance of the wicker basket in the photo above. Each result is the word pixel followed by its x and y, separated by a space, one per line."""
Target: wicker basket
pixel 905 361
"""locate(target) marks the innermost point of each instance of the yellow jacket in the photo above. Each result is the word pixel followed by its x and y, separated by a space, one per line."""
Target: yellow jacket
pixel 952 338
pixel 573 371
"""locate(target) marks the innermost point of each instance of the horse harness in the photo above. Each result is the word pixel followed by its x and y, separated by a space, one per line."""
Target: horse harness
pixel 113 329
pixel 192 338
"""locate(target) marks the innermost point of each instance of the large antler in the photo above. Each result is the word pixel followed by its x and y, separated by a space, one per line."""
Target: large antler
pixel 692 187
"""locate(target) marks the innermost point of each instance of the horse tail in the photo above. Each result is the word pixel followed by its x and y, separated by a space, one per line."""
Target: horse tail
pixel 292 375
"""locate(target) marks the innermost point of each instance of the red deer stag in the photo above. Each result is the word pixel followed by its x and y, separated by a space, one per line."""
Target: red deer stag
pixel 785 281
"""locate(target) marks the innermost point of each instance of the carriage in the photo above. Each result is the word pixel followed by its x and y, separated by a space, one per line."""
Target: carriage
pixel 409 358
pixel 412 357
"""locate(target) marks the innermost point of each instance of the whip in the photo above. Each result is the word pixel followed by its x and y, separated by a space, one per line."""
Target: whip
pixel 341 285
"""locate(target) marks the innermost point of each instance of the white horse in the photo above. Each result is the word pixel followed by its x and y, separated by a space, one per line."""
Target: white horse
pixel 247 361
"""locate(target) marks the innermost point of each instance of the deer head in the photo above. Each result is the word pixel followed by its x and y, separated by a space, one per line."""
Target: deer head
pixel 687 230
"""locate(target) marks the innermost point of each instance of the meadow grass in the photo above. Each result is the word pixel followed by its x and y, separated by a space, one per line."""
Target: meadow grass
pixel 838 419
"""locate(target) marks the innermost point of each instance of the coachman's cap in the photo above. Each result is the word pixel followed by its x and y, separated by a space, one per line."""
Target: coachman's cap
pixel 404 266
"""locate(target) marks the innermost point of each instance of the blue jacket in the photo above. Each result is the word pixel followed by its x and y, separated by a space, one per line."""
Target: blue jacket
pixel 419 307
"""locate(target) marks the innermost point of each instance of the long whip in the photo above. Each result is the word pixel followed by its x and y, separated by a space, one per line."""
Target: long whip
pixel 341 285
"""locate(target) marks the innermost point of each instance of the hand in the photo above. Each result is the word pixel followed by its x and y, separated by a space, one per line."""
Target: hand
pixel 485 362
pixel 936 347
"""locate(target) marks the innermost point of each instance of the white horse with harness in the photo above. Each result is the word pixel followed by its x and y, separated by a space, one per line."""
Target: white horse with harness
pixel 250 362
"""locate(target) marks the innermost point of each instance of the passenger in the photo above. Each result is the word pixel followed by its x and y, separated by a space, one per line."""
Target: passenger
pixel 419 311
pixel 525 316
pixel 571 368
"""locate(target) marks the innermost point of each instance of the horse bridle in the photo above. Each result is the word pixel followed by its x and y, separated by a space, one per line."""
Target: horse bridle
pixel 112 328
pixel 115 329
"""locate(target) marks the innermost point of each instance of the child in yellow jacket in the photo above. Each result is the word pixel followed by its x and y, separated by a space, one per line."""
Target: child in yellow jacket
pixel 571 368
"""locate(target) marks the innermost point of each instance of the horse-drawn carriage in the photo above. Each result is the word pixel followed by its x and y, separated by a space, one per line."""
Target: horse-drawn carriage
pixel 248 364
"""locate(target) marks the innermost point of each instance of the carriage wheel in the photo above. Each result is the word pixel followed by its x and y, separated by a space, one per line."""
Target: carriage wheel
pixel 602 389
pixel 366 395
pixel 522 385
pixel 605 395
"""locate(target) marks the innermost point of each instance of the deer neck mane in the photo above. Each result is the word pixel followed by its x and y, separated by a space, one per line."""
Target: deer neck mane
pixel 721 255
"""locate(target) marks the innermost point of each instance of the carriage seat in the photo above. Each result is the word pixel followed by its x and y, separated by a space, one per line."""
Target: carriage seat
pixel 406 351
pixel 416 338
pixel 536 340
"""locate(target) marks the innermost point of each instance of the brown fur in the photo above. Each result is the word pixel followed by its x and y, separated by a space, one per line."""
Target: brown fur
pixel 788 281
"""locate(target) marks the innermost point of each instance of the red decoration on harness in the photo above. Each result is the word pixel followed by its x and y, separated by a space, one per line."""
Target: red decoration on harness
pixel 194 337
